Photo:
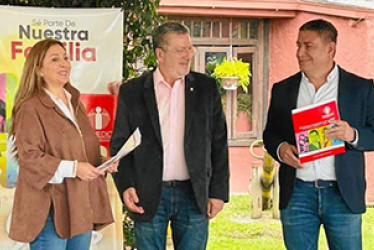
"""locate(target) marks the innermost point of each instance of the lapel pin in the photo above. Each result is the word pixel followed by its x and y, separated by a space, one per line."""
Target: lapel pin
pixel 191 89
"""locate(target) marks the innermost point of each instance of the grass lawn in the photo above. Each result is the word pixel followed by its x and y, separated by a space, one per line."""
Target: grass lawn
pixel 234 229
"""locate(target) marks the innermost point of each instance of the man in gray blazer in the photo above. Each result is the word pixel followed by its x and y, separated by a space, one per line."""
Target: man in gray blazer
pixel 331 190
pixel 179 173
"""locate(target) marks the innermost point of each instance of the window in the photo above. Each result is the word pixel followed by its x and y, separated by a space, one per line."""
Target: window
pixel 225 38
pixel 239 29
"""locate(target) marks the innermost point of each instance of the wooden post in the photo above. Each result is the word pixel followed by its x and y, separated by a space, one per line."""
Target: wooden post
pixel 169 240
pixel 255 190
pixel 267 178
pixel 276 212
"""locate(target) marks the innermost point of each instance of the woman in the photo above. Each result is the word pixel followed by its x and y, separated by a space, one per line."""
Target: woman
pixel 60 196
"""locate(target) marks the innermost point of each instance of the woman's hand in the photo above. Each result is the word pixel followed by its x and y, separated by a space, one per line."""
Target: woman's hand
pixel 87 172
pixel 112 167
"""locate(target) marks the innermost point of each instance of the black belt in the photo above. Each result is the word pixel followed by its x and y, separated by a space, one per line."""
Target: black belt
pixel 175 183
pixel 319 183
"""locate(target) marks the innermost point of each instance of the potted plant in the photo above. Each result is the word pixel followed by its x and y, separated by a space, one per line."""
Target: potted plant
pixel 233 73
pixel 128 231
pixel 243 112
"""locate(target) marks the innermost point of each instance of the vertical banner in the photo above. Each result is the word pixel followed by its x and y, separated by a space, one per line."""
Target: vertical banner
pixel 93 39
pixel 101 112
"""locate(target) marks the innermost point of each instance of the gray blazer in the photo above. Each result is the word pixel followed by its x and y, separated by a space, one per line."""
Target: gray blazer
pixel 205 142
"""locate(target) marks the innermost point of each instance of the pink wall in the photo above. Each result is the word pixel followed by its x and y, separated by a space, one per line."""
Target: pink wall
pixel 353 48
pixel 355 53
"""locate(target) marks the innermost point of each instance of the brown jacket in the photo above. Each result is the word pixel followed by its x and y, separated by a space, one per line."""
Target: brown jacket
pixel 44 137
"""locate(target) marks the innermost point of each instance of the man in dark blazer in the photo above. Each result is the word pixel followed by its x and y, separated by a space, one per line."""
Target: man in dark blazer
pixel 179 173
pixel 331 190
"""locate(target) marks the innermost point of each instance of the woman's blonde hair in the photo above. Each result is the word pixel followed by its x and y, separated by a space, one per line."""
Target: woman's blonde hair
pixel 32 82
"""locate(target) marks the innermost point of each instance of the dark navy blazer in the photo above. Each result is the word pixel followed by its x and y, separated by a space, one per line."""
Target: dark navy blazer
pixel 356 106
pixel 205 142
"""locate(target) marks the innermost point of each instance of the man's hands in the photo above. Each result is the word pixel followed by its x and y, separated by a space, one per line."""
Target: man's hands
pixel 130 198
pixel 214 206
pixel 288 154
pixel 341 131
pixel 87 172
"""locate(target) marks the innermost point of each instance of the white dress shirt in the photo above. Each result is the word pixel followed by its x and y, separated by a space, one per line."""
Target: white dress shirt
pixel 65 168
pixel 324 168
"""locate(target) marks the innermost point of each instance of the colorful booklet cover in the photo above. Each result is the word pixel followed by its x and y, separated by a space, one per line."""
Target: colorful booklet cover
pixel 310 123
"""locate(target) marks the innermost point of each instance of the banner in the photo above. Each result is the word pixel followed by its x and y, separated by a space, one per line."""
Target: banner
pixel 93 39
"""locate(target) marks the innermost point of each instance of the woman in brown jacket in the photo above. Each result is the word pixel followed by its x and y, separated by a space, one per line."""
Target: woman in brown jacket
pixel 60 196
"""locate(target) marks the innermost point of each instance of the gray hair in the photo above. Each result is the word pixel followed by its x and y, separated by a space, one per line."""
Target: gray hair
pixel 160 33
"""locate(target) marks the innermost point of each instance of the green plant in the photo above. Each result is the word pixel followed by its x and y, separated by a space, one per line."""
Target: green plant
pixel 234 68
pixel 138 29
pixel 244 104
pixel 209 70
pixel 210 66
pixel 128 230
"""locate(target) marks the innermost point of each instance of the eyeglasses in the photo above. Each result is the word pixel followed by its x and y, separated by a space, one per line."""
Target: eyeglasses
pixel 182 51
